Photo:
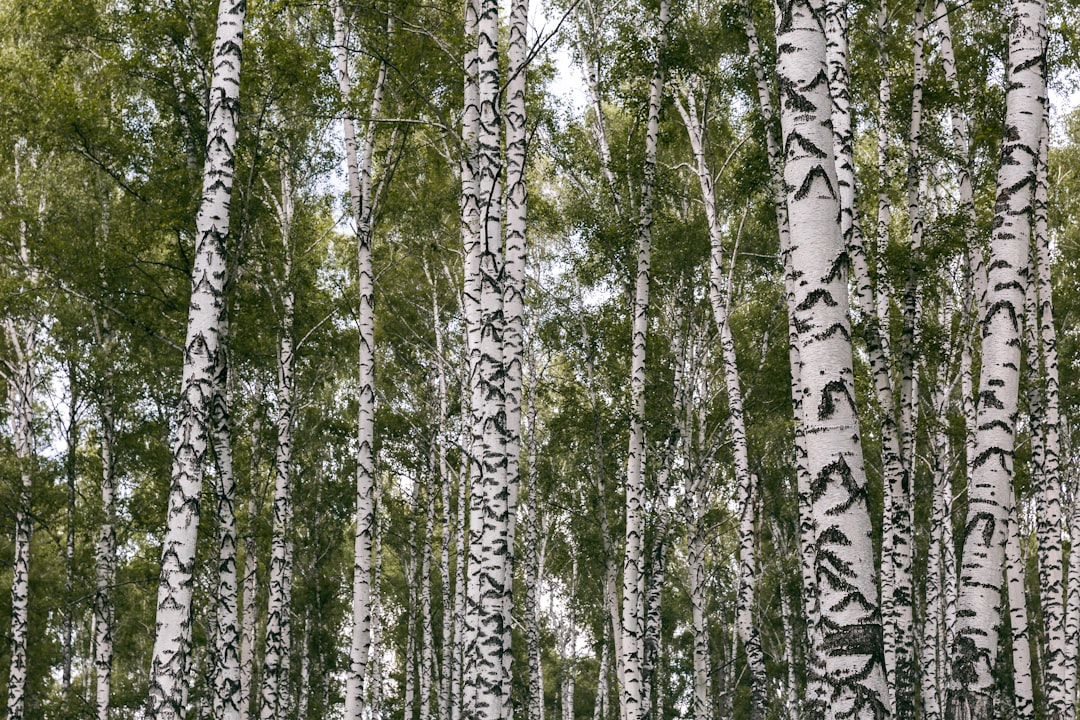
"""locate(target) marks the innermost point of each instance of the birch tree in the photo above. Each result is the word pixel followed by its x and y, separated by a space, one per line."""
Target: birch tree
pixel 202 375
pixel 849 615
pixel 974 650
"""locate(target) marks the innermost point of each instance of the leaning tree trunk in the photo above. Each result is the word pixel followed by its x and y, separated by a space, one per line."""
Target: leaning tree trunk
pixel 747 482
pixel 202 374
pixel 849 614
pixel 974 651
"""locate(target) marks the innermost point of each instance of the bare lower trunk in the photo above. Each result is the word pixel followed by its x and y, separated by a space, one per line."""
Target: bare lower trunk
pixel 847 590
pixel 974 651
pixel 359 177
pixel 633 590
pixel 203 371
pixel 1023 692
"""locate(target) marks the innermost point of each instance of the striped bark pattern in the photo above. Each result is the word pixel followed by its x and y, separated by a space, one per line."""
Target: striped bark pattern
pixel 358 168
pixel 974 651
pixel 850 621
pixel 1056 673
pixel 273 692
pixel 203 375
pixel 633 590
pixel 1023 698
pixel 105 556
pixel 227 698
pixel 22 381
pixel 815 690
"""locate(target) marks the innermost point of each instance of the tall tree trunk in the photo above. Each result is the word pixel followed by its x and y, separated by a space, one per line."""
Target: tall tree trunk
pixel 250 574
pixel 815 661
pixel 1023 700
pixel 534 555
pixel 633 610
pixel 358 170
pixel 695 562
pixel 105 550
pixel 70 476
pixel 428 674
pixel 278 613
pixel 448 654
pixel 1056 676
pixel 227 697
pixel 202 374
pixel 974 651
pixel 849 614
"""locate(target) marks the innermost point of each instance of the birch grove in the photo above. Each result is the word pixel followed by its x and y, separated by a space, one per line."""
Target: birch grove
pixel 622 361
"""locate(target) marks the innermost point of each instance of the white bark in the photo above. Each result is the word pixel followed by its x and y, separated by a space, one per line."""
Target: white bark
pixel 358 170
pixel 974 650
pixel 633 590
pixel 105 550
pixel 815 690
pixel 847 584
pixel 202 374
pixel 250 575
pixel 1023 699
pixel 273 692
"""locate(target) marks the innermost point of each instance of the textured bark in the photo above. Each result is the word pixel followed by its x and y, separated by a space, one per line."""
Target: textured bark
pixel 849 615
pixel 1048 483
pixel 21 376
pixel 105 549
pixel 513 300
pixel 974 651
pixel 1023 699
pixel 203 372
pixel 427 629
pixel 448 653
pixel 815 662
pixel 358 169
pixel 278 613
pixel 227 697
pixel 633 589
pixel 534 557
pixel 492 490
pixel 695 566
pixel 250 575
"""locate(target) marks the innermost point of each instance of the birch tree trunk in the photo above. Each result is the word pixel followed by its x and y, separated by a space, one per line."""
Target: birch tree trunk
pixel 815 662
pixel 250 574
pixel 513 302
pixel 633 590
pixel 278 607
pixel 1023 699
pixel 227 697
pixel 847 584
pixel 202 374
pixel 746 481
pixel 974 651
pixel 358 170
pixel 1060 700
pixel 105 549
pixel 21 376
